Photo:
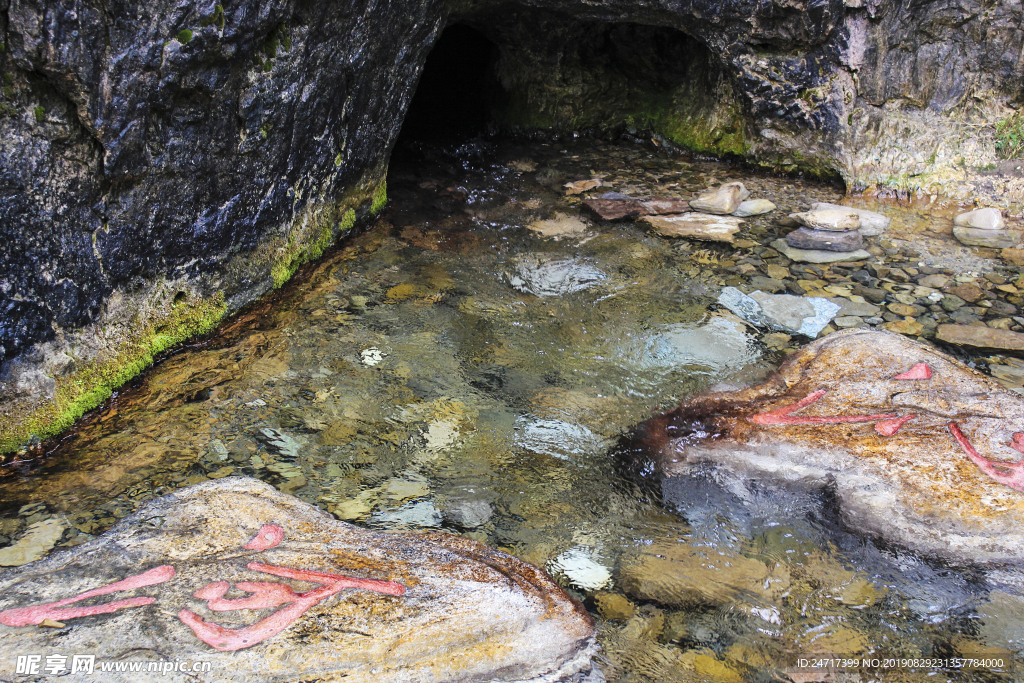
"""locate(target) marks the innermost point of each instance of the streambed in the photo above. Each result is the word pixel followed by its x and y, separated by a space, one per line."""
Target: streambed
pixel 450 368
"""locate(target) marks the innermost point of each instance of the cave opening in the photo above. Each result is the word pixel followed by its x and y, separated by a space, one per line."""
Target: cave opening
pixel 458 88
pixel 534 73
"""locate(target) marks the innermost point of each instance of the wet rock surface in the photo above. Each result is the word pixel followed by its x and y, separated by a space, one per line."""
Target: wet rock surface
pixel 923 451
pixel 311 596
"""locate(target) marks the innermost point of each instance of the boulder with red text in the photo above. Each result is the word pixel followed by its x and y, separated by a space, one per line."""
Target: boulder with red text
pixel 920 449
pixel 232 580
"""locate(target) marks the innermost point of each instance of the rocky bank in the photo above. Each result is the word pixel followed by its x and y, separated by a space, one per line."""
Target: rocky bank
pixel 165 165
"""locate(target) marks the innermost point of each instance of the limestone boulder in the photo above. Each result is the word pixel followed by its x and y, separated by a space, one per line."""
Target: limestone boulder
pixel 920 450
pixel 264 587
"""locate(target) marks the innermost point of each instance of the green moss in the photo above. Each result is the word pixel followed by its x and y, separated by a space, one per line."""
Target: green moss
pixel 216 18
pixel 89 387
pixel 1010 136
pixel 9 92
pixel 184 36
pixel 7 111
pixel 337 159
pixel 380 197
pixel 40 113
pixel 348 221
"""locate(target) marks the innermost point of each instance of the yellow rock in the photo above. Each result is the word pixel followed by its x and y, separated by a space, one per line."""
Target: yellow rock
pixel 614 606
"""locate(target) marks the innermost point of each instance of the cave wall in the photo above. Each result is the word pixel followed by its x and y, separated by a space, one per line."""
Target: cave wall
pixel 165 163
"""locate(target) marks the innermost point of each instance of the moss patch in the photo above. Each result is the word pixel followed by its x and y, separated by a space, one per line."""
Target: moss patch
pixel 380 197
pixel 88 387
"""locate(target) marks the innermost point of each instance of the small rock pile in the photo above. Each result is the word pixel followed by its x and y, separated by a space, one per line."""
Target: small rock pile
pixel 983 228
pixel 716 216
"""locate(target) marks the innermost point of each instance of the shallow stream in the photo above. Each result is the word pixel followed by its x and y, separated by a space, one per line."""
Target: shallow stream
pixel 450 368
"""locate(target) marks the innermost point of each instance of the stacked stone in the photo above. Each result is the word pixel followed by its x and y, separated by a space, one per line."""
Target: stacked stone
pixel 983 228
pixel 827 235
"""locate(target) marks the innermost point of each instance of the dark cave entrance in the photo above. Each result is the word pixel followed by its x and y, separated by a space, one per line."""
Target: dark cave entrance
pixel 458 89
pixel 540 75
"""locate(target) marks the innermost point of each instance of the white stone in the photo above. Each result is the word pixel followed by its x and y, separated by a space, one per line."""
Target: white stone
pixel 838 220
pixel 754 207
pixel 982 219
pixel 721 200
pixel 871 222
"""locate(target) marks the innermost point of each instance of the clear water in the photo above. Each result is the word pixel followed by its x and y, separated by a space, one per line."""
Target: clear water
pixel 448 368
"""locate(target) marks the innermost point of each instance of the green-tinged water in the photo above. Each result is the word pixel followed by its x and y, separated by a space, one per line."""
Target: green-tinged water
pixel 451 369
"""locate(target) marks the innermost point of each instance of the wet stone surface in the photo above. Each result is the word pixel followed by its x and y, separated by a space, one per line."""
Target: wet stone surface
pixel 453 369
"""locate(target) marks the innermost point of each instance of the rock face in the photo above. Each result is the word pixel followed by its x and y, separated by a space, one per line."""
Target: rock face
pixel 160 173
pixel 265 587
pixel 921 449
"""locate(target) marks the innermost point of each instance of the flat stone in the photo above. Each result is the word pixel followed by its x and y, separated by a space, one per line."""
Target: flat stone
pixel 828 219
pixel 581 186
pixel 982 237
pixel 780 312
pixel 614 209
pixel 968 291
pixel 871 222
pixel 828 240
pixel 906 310
pixel 845 321
pixel 754 207
pixel 721 200
pixel 981 219
pixel 684 575
pixel 818 255
pixel 699 226
pixel 980 337
pixel 936 281
pixel 1014 256
pixel 908 327
pixel 766 283
pixel 561 225
pixel 657 206
pixel 331 600
pixel 857 308
pixel 904 449
pixel 38 540
pixel 468 514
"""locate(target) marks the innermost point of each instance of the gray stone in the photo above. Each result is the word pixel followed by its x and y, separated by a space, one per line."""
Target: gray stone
pixel 829 240
pixel 342 602
pixel 781 312
pixel 951 302
pixel 984 237
pixel 468 514
pixel 767 283
pixel 871 223
pixel 846 321
pixel 828 219
pixel 754 207
pixel 847 307
pixel 818 255
pixel 721 200
pixel 981 219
